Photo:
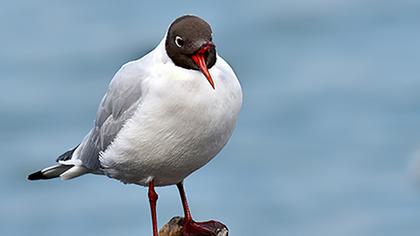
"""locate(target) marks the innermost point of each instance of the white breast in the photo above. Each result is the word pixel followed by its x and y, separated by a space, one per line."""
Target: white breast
pixel 181 124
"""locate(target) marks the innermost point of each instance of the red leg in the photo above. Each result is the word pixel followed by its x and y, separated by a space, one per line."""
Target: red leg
pixel 192 228
pixel 187 213
pixel 153 197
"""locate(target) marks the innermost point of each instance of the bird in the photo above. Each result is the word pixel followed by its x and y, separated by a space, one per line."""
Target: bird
pixel 163 116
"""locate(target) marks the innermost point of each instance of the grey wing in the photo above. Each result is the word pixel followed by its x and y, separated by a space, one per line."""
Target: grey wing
pixel 117 106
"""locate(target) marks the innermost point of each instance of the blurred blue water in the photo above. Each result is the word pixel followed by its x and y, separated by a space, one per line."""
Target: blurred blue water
pixel 329 123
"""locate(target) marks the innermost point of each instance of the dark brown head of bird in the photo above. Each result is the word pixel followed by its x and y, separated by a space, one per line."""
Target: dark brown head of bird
pixel 189 45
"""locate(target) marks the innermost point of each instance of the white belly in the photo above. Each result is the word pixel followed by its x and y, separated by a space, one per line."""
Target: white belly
pixel 175 131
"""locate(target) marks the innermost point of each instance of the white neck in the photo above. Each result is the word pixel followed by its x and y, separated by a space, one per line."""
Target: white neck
pixel 161 54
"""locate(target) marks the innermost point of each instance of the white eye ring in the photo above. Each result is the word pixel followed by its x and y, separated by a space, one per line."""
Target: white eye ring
pixel 179 41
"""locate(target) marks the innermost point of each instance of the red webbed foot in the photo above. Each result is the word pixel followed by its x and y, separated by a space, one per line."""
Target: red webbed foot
pixel 206 228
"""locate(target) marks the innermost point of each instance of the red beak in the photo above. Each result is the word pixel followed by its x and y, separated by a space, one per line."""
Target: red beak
pixel 199 59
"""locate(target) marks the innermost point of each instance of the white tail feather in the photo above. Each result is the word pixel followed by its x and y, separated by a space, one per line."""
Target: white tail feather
pixel 74 172
pixel 54 171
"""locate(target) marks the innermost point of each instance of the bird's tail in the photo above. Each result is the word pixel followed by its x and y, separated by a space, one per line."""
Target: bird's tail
pixel 50 172
pixel 65 169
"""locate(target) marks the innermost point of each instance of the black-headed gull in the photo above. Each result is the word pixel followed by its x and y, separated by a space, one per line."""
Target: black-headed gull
pixel 164 116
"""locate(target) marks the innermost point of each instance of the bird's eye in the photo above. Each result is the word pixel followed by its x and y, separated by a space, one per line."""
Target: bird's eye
pixel 179 41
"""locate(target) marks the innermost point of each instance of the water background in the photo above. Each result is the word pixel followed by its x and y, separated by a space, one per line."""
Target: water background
pixel 329 126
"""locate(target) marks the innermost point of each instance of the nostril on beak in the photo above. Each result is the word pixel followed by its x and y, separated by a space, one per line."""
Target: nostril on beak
pixel 208 45
pixel 205 47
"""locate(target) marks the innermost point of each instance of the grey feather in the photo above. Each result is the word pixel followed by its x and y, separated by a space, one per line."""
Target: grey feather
pixel 116 108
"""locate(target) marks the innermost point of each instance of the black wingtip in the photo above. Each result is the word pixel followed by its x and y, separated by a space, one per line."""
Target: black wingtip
pixel 36 176
pixel 67 155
